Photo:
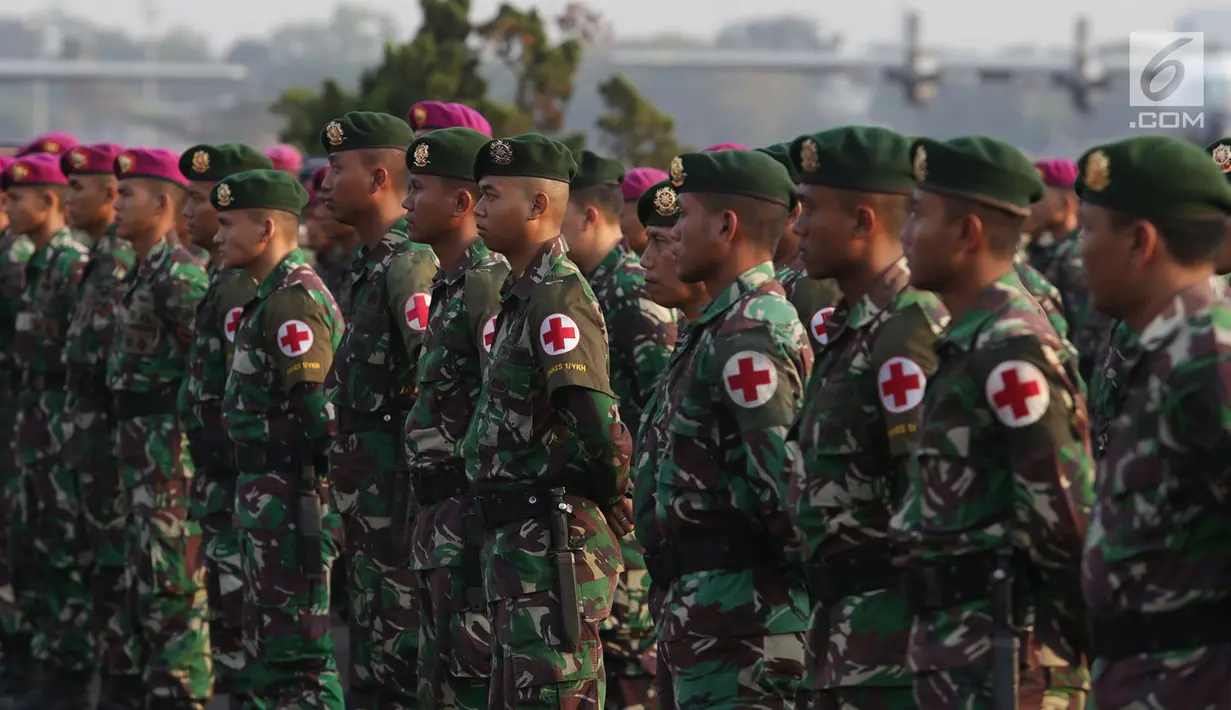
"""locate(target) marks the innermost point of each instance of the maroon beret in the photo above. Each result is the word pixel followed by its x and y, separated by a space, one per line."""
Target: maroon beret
pixel 55 143
pixel 638 180
pixel 436 115
pixel 1057 172
pixel 726 146
pixel 155 163
pixel 37 169
pixel 314 183
pixel 96 159
pixel 285 157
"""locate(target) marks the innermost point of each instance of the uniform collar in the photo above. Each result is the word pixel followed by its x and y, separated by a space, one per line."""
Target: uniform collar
pixel 550 253
pixel 293 260
pixel 608 264
pixel 473 255
pixel 988 303
pixel 887 287
pixel 750 280
pixel 1163 328
pixel 393 238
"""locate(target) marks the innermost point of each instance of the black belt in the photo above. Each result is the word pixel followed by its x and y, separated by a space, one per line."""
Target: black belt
pixel 939 585
pixel 210 450
pixel 1116 636
pixel 266 457
pixel 390 420
pixel 443 483
pixel 130 405
pixel 90 384
pixel 698 553
pixel 850 573
pixel 45 380
pixel 500 508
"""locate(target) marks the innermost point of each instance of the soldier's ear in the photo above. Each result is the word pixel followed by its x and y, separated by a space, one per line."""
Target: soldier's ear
pixel 464 201
pixel 728 225
pixel 865 223
pixel 1146 242
pixel 380 176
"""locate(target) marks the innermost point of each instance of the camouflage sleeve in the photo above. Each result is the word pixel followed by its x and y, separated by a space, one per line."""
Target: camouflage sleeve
pixel 570 335
pixel 761 391
pixel 408 284
pixel 903 359
pixel 1039 417
pixel 594 419
pixel 650 330
pixel 183 404
pixel 482 294
pixel 297 337
pixel 177 296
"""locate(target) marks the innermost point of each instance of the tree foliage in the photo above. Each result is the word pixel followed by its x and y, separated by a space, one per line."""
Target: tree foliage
pixel 634 130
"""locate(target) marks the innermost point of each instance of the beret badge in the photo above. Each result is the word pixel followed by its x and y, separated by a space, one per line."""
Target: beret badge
pixel 224 195
pixel 200 161
pixel 677 171
pixel 419 115
pixel 808 158
pixel 421 155
pixel 1098 171
pixel 665 203
pixel 125 162
pixel 920 164
pixel 1222 156
pixel 20 172
pixel 333 132
pixel 51 147
pixel 501 152
pixel 78 159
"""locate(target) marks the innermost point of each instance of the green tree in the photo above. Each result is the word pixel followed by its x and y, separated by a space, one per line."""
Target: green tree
pixel 634 129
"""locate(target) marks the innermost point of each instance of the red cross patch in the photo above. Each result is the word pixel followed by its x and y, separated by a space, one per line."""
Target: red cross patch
pixel 818 329
pixel 294 338
pixel 750 378
pixel 489 334
pixel 417 308
pixel 559 334
pixel 900 382
pixel 230 324
pixel 1018 393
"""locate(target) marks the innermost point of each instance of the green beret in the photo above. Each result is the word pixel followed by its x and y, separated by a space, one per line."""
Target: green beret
pixel 529 155
pixel 782 153
pixel 1153 176
pixel 1220 151
pixel 211 163
pixel 862 158
pixel 593 169
pixel 658 206
pixel 734 172
pixel 447 152
pixel 360 130
pixel 259 190
pixel 986 170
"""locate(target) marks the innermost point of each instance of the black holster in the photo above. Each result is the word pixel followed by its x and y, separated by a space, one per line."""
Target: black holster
pixel 472 569
pixel 1006 649
pixel 859 571
pixel 562 554
pixel 309 519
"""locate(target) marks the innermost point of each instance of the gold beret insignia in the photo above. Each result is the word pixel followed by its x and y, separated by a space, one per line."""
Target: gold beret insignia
pixel 200 161
pixel 665 203
pixel 1042 175
pixel 421 155
pixel 501 152
pixel 808 159
pixel 125 161
pixel 51 147
pixel 1098 171
pixel 677 171
pixel 419 115
pixel 333 132
pixel 224 195
pixel 20 172
pixel 79 159
pixel 1222 156
pixel 920 164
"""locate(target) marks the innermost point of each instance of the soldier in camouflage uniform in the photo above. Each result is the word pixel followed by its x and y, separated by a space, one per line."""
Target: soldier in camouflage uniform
pixel 166 632
pixel 373 385
pixel 642 335
pixel 636 182
pixel 213 485
pixel 280 423
pixel 45 534
pixel 341 243
pixel 658 210
pixel 454 628
pixel 15 250
pixel 1157 565
pixel 736 608
pixel 546 449
pixel 1000 484
pixel 856 433
pixel 89 450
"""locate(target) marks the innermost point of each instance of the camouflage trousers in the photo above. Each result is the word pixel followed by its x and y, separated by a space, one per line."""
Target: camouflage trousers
pixel 628 634
pixel 733 672
pixel 14 630
pixel 384 609
pixel 169 634
pixel 971 689
pixel 455 643
pixel 286 594
pixel 531 666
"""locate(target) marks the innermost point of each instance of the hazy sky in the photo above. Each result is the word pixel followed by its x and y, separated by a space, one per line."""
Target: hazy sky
pixel 977 24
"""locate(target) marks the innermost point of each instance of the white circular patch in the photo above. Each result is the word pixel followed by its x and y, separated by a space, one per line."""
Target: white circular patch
pixel 416 309
pixel 1018 393
pixel 818 327
pixel 230 324
pixel 558 334
pixel 489 333
pixel 900 382
pixel 750 378
pixel 294 338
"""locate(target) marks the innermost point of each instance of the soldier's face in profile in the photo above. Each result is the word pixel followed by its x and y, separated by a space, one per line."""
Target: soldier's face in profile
pixel 347 187
pixel 698 240
pixel 430 208
pixel 930 241
pixel 86 198
pixel 201 215
pixel 501 209
pixel 22 208
pixel 136 208
pixel 1108 258
pixel 662 283
pixel 630 225
pixel 825 230
pixel 240 238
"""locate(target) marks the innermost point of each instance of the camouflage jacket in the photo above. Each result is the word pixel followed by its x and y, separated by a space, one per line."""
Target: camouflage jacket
pixel 856 436
pixel 1002 458
pixel 210 358
pixel 1107 381
pixel 1059 261
pixel 287 334
pixel 1044 293
pixel 15 252
pixel 334 263
pixel 460 333
pixel 726 469
pixel 92 329
pixel 156 320
pixel 52 276
pixel 375 367
pixel 813 299
pixel 641 333
pixel 1160 536
pixel 550 337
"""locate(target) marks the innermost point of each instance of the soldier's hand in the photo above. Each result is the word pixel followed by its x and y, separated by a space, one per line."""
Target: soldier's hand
pixel 620 517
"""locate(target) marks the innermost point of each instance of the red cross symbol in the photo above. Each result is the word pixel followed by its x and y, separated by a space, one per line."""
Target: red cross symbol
pixel 232 323
pixel 819 329
pixel 750 378
pixel 417 311
pixel 901 384
pixel 489 333
pixel 1017 393
pixel 559 334
pixel 294 338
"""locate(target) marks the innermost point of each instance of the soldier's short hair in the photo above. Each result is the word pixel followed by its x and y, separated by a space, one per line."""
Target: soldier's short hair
pixel 1189 240
pixel 1003 229
pixel 761 220
pixel 392 160
pixel 608 199
pixel 891 210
